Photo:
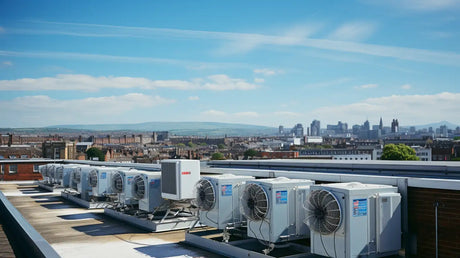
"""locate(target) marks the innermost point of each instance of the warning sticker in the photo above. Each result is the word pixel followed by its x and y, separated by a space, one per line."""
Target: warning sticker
pixel 226 190
pixel 281 197
pixel 154 183
pixel 130 179
pixel 359 207
pixel 103 175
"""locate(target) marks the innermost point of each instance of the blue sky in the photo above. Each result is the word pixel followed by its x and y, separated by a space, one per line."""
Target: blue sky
pixel 256 62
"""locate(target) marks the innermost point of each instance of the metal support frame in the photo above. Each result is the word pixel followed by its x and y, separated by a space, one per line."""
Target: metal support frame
pixel 239 248
pixel 73 197
pixel 161 225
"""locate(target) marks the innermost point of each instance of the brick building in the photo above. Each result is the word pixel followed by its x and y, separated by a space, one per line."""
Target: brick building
pixel 12 170
pixel 59 150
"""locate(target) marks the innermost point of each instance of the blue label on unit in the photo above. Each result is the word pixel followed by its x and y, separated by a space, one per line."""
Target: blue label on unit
pixel 103 175
pixel 130 178
pixel 359 207
pixel 226 190
pixel 281 197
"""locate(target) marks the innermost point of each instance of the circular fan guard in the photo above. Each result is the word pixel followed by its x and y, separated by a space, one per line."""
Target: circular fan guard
pixel 324 214
pixel 76 176
pixel 205 195
pixel 59 173
pixel 254 202
pixel 117 183
pixel 93 178
pixel 138 187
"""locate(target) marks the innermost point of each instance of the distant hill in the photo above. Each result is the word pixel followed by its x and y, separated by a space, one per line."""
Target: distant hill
pixel 437 125
pixel 179 128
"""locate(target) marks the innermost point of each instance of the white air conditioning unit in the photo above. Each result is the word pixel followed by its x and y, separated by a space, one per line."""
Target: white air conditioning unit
pixel 100 181
pixel 178 178
pixel 80 178
pixel 122 183
pixel 218 199
pixel 50 173
pixel 42 169
pixel 64 173
pixel 274 208
pixel 354 220
pixel 147 189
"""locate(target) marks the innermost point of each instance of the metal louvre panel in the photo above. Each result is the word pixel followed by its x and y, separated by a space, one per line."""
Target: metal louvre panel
pixel 168 178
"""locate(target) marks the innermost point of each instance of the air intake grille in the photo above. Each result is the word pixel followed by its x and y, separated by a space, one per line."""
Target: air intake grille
pixel 93 178
pixel 254 202
pixel 205 196
pixel 117 183
pixel 168 178
pixel 324 214
pixel 139 187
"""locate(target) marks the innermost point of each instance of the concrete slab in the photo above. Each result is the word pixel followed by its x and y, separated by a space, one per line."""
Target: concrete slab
pixel 77 232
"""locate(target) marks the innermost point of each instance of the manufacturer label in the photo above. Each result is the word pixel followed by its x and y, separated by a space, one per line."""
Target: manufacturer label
pixel 226 190
pixel 130 179
pixel 103 175
pixel 281 197
pixel 154 183
pixel 186 173
pixel 359 207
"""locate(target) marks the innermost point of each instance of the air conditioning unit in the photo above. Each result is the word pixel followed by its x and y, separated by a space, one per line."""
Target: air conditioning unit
pixel 354 219
pixel 274 208
pixel 50 173
pixel 42 169
pixel 122 183
pixel 147 189
pixel 178 178
pixel 64 172
pixel 100 181
pixel 80 179
pixel 218 199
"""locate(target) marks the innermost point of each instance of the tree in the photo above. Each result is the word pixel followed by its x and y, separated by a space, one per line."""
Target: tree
pixel 398 152
pixel 221 146
pixel 250 153
pixel 217 156
pixel 191 144
pixel 180 145
pixel 94 152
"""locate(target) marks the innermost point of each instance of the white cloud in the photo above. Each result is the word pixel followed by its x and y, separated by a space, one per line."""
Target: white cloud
pixel 355 31
pixel 193 98
pixel 409 109
pixel 259 80
pixel 7 63
pixel 367 86
pixel 214 113
pixel 43 110
pixel 219 82
pixel 243 42
pixel 406 87
pixel 267 71
pixel 246 114
pixel 333 82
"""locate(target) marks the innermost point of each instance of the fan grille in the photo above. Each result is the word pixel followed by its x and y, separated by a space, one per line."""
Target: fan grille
pixel 93 178
pixel 138 187
pixel 76 177
pixel 205 195
pixel 254 202
pixel 117 183
pixel 324 214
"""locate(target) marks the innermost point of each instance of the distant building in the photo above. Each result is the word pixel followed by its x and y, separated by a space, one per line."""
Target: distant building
pixel 340 128
pixel 313 139
pixel 21 169
pixel 281 130
pixel 315 128
pixel 381 124
pixel 395 126
pixel 424 154
pixel 279 154
pixel 59 150
pixel 160 136
pixel 443 130
pixel 298 130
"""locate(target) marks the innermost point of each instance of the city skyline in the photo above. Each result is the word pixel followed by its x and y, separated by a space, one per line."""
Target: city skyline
pixel 240 62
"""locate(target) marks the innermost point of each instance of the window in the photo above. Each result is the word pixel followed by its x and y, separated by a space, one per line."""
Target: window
pixel 24 156
pixel 35 168
pixel 13 169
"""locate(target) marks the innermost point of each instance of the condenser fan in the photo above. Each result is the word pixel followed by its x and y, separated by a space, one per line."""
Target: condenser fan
pixel 138 187
pixel 93 178
pixel 324 214
pixel 76 176
pixel 205 195
pixel 117 183
pixel 254 202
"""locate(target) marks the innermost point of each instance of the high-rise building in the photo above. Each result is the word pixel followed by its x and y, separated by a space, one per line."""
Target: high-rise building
pixel 281 130
pixel 395 126
pixel 443 130
pixel 298 130
pixel 381 124
pixel 315 128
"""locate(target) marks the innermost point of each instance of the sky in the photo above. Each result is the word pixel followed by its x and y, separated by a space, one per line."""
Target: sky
pixel 254 62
